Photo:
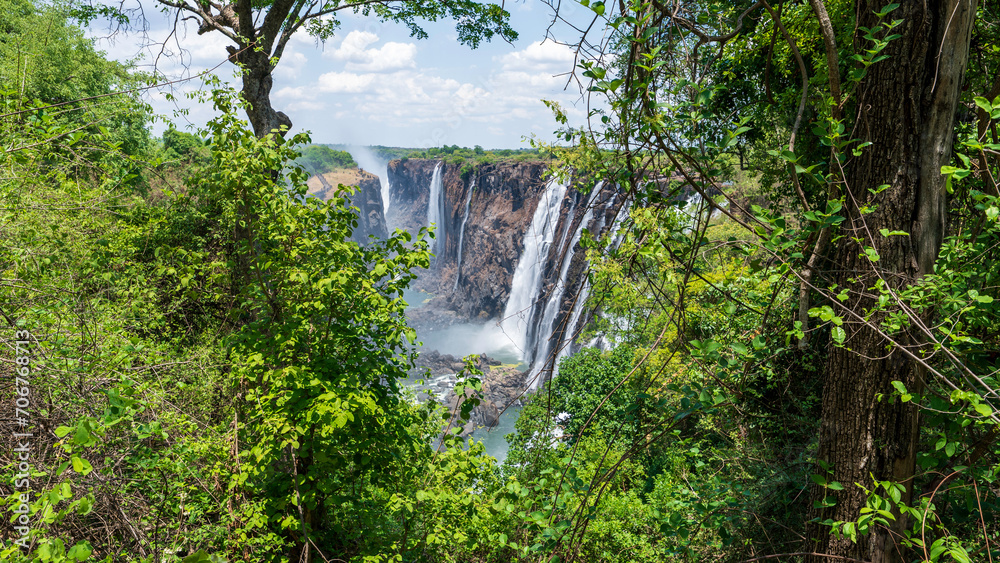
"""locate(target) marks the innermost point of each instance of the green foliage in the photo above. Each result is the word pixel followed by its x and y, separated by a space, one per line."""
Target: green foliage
pixel 219 368
pixel 475 156
pixel 320 159
pixel 44 61
pixel 184 146
pixel 590 395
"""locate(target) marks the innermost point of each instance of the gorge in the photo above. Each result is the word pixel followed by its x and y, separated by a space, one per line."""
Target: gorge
pixel 508 278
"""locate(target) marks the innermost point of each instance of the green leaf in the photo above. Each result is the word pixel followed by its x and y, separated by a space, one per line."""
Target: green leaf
pixel 82 436
pixel 201 556
pixel 81 465
pixel 80 551
pixel 84 507
pixel 838 334
pixel 887 10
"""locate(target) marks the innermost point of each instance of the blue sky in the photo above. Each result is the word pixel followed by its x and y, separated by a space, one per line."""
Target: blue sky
pixel 372 84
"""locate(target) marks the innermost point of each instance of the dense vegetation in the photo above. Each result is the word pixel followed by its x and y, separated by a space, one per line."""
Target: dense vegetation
pixel 319 159
pixel 212 370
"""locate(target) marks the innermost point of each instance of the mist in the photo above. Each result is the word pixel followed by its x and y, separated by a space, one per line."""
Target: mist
pixel 370 162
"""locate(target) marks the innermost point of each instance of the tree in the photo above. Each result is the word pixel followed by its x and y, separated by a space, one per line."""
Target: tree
pixel 906 110
pixel 261 31
pixel 868 185
pixel 44 57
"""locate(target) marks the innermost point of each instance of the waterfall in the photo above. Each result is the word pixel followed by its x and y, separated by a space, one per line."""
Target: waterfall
pixel 542 346
pixel 527 282
pixel 601 341
pixel 461 233
pixel 386 193
pixel 435 209
pixel 566 345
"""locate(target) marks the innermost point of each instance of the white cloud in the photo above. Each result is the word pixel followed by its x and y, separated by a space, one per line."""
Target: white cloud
pixel 364 83
pixel 345 82
pixel 359 58
pixel 305 105
pixel 291 65
pixel 407 97
pixel 545 57
pixel 294 93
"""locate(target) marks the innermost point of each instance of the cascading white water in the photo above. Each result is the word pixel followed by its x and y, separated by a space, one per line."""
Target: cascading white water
pixel 527 282
pixel 541 348
pixel 386 186
pixel 461 233
pixel 435 209
pixel 602 342
pixel 566 346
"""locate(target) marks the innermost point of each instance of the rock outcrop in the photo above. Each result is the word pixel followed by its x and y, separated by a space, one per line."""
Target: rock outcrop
pixel 504 196
pixel 503 386
pixel 487 217
pixel 368 199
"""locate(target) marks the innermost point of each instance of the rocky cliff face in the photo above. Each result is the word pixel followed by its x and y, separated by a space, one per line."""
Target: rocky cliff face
pixel 487 211
pixel 503 199
pixel 368 199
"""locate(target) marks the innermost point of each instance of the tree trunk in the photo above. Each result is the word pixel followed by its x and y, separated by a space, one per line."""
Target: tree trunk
pixel 254 54
pixel 906 107
pixel 257 82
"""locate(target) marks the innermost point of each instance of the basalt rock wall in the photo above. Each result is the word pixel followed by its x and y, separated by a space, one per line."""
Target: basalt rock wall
pixel 503 199
pixel 368 199
pixel 505 242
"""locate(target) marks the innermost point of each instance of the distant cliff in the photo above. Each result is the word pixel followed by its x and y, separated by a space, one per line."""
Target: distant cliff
pixel 503 199
pixel 368 199
pixel 508 246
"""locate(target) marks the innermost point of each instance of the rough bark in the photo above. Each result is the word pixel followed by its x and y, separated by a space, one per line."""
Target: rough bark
pixel 257 83
pixel 906 108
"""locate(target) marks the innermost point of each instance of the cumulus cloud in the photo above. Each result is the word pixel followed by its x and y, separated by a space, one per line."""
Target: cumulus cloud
pixel 370 85
pixel 544 57
pixel 379 87
pixel 354 51
pixel 291 65
pixel 345 82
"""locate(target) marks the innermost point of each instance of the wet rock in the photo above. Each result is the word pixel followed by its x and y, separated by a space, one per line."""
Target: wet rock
pixel 437 363
pixel 503 386
pixel 504 198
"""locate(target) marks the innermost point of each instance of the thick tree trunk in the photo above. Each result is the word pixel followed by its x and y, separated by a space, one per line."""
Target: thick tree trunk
pixel 254 54
pixel 257 83
pixel 906 109
pixel 264 119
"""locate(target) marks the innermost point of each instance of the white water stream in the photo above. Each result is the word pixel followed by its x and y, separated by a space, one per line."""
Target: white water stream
pixel 435 210
pixel 461 233
pixel 542 347
pixel 526 285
